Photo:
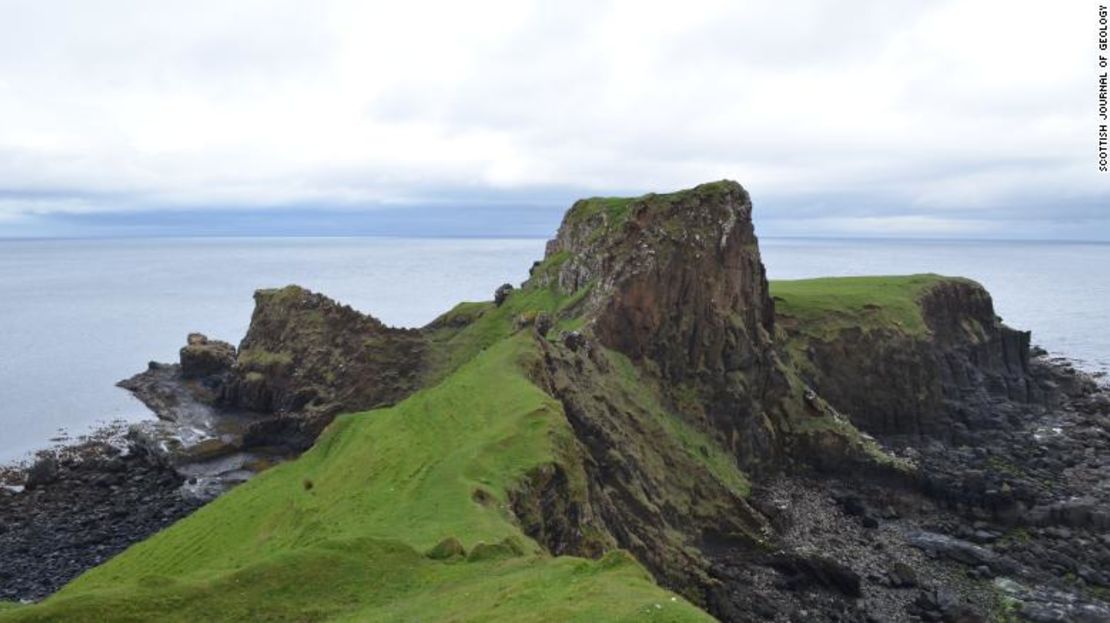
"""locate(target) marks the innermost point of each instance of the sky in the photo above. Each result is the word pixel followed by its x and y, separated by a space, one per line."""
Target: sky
pixel 887 118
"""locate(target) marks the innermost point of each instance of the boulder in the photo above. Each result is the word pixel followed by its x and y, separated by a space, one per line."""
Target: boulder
pixel 201 357
pixel 42 472
pixel 502 293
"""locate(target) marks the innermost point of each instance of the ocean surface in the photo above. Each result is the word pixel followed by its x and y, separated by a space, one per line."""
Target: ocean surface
pixel 78 315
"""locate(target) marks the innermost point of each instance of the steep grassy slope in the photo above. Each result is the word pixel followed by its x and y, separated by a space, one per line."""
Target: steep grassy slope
pixel 341 533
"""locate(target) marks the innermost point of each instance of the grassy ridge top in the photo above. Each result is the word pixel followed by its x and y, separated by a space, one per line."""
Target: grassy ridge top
pixel 824 306
pixel 339 534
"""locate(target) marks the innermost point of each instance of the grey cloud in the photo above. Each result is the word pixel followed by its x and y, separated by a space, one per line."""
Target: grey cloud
pixel 873 116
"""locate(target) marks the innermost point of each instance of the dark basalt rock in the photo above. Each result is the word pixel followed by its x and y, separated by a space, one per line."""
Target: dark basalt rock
pixel 43 472
pixel 813 569
pixel 95 503
pixel 676 283
pixel 502 293
pixel 310 357
pixel 304 360
pixel 202 358
pixel 892 383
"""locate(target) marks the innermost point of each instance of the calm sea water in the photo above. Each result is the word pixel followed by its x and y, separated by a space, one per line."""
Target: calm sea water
pixel 78 315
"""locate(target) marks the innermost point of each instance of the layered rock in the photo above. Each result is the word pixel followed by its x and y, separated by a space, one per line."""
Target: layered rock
pixel 304 360
pixel 958 373
pixel 675 282
pixel 671 380
pixel 309 358
pixel 673 278
pixel 201 357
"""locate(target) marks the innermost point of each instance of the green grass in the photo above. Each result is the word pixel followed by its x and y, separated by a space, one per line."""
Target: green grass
pixel 369 580
pixel 8 605
pixel 490 324
pixel 615 209
pixel 263 359
pixel 340 533
pixel 824 306
pixel 695 444
pixel 463 314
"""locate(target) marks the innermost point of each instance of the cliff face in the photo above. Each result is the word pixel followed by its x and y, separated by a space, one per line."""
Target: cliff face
pixel 676 278
pixel 937 380
pixel 309 358
pixel 675 283
pixel 670 378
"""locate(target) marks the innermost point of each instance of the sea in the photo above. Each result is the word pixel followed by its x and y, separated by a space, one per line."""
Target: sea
pixel 76 316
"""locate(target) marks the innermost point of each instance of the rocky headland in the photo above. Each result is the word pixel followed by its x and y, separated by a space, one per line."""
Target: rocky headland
pixel 856 449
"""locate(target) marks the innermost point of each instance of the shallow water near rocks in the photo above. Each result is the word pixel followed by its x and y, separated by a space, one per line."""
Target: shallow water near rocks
pixel 76 316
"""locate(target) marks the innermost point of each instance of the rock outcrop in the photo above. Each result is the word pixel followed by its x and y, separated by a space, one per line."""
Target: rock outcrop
pixel 308 358
pixel 201 357
pixel 304 360
pixel 674 341
pixel 676 283
pixel 956 374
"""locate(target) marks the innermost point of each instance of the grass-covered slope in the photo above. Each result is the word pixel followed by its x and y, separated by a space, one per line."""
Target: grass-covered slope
pixel 350 530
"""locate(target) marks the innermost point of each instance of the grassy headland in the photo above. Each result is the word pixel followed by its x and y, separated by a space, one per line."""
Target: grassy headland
pixel 343 533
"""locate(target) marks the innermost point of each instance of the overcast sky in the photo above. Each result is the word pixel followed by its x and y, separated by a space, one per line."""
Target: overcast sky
pixel 866 118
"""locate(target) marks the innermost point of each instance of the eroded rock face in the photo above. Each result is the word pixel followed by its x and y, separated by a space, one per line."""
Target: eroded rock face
pixel 676 283
pixel 646 491
pixel 674 294
pixel 201 357
pixel 304 360
pixel 890 382
pixel 676 279
pixel 311 358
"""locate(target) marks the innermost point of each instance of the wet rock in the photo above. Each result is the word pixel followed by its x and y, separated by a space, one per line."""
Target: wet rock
pixel 43 472
pixel 901 575
pixel 95 504
pixel 813 569
pixel 960 551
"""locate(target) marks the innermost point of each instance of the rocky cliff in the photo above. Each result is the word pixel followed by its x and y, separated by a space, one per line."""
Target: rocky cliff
pixel 675 283
pixel 664 363
pixel 308 358
pixel 946 365
pixel 645 391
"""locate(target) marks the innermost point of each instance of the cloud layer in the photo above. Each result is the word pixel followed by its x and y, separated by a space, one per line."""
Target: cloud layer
pixel 913 117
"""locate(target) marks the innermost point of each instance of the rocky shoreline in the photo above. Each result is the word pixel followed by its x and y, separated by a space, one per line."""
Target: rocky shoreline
pixel 1013 521
pixel 77 506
